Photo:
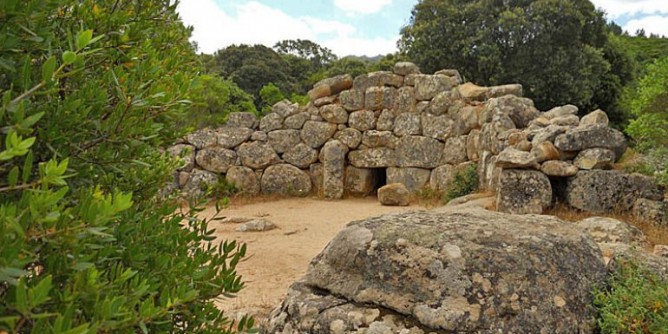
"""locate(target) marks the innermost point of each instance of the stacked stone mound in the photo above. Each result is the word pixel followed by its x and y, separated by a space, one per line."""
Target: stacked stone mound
pixel 419 130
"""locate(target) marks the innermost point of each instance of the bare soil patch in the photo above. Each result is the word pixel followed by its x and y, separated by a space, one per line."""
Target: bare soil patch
pixel 277 258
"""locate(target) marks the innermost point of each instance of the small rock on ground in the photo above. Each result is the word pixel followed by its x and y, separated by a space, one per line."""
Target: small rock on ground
pixel 256 225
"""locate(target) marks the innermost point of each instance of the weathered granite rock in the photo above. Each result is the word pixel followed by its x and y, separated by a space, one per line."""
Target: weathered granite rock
pixel 413 178
pixel 520 110
pixel 545 151
pixel 428 86
pixel 359 181
pixel 467 271
pixel 593 136
pixel 558 168
pixel 352 100
pixel 216 159
pixel 349 136
pixel 229 137
pixel 315 171
pixel 271 122
pixel 549 133
pixel 503 90
pixel 523 192
pixel 441 103
pixel 441 177
pixel 285 108
pixel 407 124
pixel 595 117
pixel 362 120
pixel 435 126
pixel 395 194
pixel 259 136
pixel 333 113
pixel 283 140
pixel 257 155
pixel 315 133
pixel 609 230
pixel 379 98
pixel 256 225
pixel 570 120
pixel 375 138
pixel 202 138
pixel 301 155
pixel 595 158
pixel 330 86
pixel 182 178
pixel 561 111
pixel 405 68
pixel 661 250
pixel 512 158
pixel 333 168
pixel 655 212
pixel 385 121
pixel 286 180
pixel 417 151
pixel 404 101
pixel 386 78
pixel 241 120
pixel 472 92
pixel 599 191
pixel 296 121
pixel 186 154
pixel 473 145
pixel 373 158
pixel 323 101
pixel 454 151
pixel 199 181
pixel 465 121
pixel 243 179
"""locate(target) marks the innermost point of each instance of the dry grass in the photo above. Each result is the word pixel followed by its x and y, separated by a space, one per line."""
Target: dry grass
pixel 655 234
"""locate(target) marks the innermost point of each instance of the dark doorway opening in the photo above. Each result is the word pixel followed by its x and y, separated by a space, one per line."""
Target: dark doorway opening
pixel 379 179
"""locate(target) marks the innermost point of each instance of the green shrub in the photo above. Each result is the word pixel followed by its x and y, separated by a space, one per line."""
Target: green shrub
pixel 220 190
pixel 463 183
pixel 634 301
pixel 90 90
pixel 213 99
pixel 270 94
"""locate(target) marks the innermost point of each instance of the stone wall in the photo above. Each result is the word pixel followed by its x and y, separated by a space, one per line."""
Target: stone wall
pixel 418 129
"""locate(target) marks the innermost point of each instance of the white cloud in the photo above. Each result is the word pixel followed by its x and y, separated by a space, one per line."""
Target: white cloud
pixel 654 24
pixel 618 8
pixel 362 6
pixel 255 23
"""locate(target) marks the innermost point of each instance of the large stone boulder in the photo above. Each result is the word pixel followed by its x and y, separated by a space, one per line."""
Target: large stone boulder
pixel 285 179
pixel 520 110
pixel 592 136
pixel 417 151
pixel 609 191
pixel 301 155
pixel 216 159
pixel 513 158
pixel 394 194
pixel 654 212
pixel 229 137
pixel 352 100
pixel 454 151
pixel 315 133
pixel 373 158
pixel 428 86
pixel 523 192
pixel 609 230
pixel 243 179
pixel 362 120
pixel 334 114
pixel 467 272
pixel 595 158
pixel 272 121
pixel 379 98
pixel 202 138
pixel 198 182
pixel 283 140
pixel 413 178
pixel 241 120
pixel 374 138
pixel 333 168
pixel 349 136
pixel 360 181
pixel 407 124
pixel 186 154
pixel 257 155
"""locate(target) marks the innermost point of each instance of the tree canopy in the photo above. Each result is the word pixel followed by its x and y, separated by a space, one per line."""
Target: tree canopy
pixel 554 48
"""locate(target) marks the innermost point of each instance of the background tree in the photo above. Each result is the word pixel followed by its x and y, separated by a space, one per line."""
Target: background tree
pixel 554 48
pixel 213 99
pixel 91 89
pixel 318 55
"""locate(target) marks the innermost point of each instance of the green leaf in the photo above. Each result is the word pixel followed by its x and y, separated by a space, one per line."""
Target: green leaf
pixel 22 297
pixel 48 68
pixel 27 167
pixel 31 120
pixel 25 144
pixel 143 328
pixel 13 177
pixel 40 293
pixel 69 57
pixel 84 38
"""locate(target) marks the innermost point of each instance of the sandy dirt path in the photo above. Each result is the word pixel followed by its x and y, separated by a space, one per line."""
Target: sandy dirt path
pixel 279 257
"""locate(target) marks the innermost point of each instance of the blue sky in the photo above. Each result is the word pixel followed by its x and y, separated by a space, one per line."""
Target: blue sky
pixel 351 27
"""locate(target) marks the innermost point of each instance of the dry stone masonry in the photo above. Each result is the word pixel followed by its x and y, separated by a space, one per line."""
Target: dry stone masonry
pixel 358 134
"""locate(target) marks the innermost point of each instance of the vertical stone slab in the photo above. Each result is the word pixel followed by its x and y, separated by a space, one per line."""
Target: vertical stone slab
pixel 333 163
